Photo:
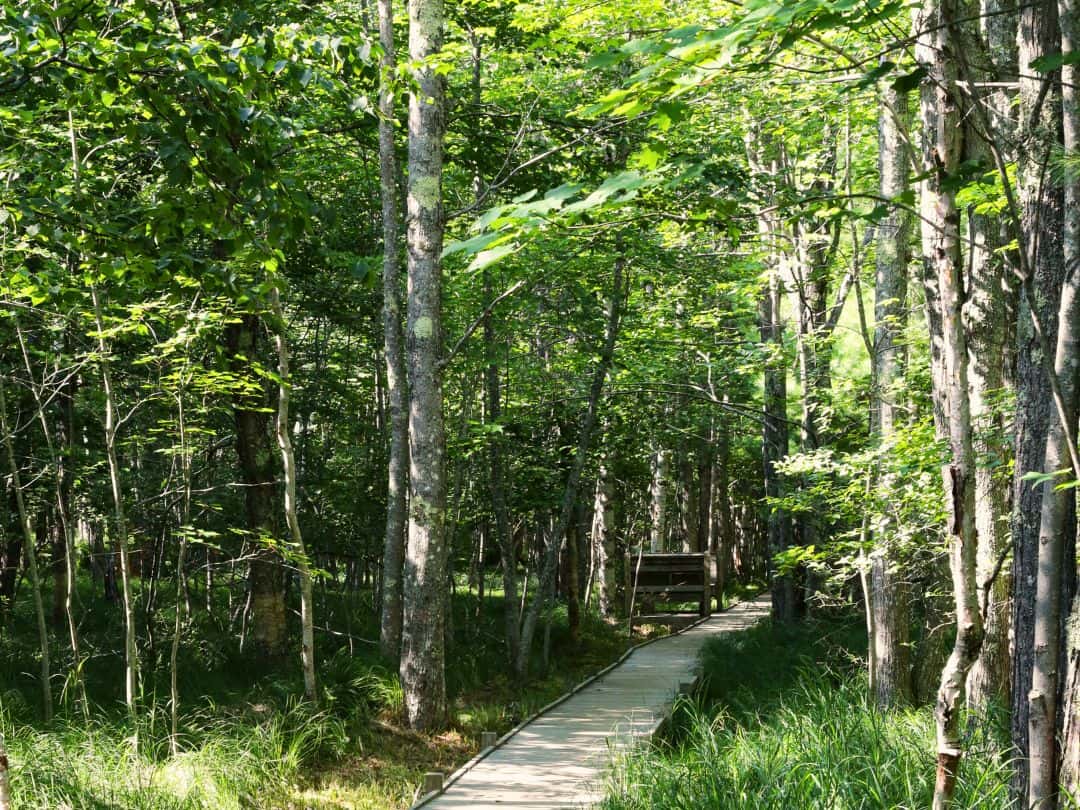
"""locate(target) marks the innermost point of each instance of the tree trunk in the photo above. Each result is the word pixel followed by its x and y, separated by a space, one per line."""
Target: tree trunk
pixel 889 608
pixel 1057 522
pixel 603 540
pixel 252 420
pixel 182 607
pixel 1058 515
pixel 941 252
pixel 573 576
pixel 423 676
pixel 725 526
pixel 292 519
pixel 398 465
pixel 31 559
pixel 131 653
pixel 775 444
pixel 658 495
pixel 987 315
pixel 1041 226
pixel 1069 777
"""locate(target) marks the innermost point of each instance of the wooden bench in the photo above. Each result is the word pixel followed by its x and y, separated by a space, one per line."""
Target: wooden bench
pixel 671 578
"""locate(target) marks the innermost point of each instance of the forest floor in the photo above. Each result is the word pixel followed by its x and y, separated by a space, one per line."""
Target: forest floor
pixel 248 742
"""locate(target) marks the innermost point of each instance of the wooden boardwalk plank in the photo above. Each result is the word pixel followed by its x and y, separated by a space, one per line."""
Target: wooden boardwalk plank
pixel 558 760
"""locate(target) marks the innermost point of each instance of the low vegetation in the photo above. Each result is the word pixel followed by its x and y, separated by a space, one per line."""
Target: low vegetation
pixel 245 744
pixel 785 721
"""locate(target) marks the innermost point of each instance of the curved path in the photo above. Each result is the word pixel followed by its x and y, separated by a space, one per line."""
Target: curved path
pixel 558 759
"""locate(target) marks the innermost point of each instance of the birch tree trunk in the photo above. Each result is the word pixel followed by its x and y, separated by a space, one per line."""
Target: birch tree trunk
pixel 888 611
pixel 292 519
pixel 934 51
pixel 658 499
pixel 423 676
pixel 181 556
pixel 1041 227
pixel 397 473
pixel 987 317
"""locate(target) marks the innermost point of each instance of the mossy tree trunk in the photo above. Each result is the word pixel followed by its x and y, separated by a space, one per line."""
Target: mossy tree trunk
pixel 423 649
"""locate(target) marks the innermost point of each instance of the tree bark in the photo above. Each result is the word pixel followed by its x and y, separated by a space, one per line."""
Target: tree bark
pixel 398 464
pixel 987 316
pixel 422 669
pixel 603 540
pixel 182 608
pixel 64 530
pixel 775 443
pixel 934 51
pixel 5 781
pixel 292 519
pixel 658 499
pixel 1069 19
pixel 1041 205
pixel 266 580
pixel 1058 513
pixel 1058 517
pixel 889 608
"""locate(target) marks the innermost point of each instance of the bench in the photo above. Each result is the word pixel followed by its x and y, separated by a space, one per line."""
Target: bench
pixel 671 578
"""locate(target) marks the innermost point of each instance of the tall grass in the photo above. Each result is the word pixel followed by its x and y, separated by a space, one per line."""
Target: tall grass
pixel 245 741
pixel 236 762
pixel 787 723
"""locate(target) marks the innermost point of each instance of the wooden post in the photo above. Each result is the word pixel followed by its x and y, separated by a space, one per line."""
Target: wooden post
pixel 706 587
pixel 433 782
pixel 487 739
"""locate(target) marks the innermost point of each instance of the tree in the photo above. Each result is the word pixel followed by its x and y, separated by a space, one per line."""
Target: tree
pixel 890 661
pixel 940 111
pixel 424 591
pixel 397 471
pixel 1040 217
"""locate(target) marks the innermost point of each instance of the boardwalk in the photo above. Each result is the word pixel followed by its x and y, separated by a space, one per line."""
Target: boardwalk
pixel 557 761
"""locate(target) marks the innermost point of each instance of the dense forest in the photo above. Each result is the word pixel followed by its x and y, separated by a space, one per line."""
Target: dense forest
pixel 351 351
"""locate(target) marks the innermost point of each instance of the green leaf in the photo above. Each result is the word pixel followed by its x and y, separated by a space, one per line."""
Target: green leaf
pixel 1054 61
pixel 486 258
pixel 909 81
pixel 871 77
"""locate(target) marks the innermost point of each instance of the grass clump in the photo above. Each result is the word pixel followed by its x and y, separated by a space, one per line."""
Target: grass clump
pixel 230 763
pixel 785 721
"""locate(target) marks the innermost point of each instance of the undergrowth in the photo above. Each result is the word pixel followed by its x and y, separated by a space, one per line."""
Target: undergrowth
pixel 785 721
pixel 245 739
